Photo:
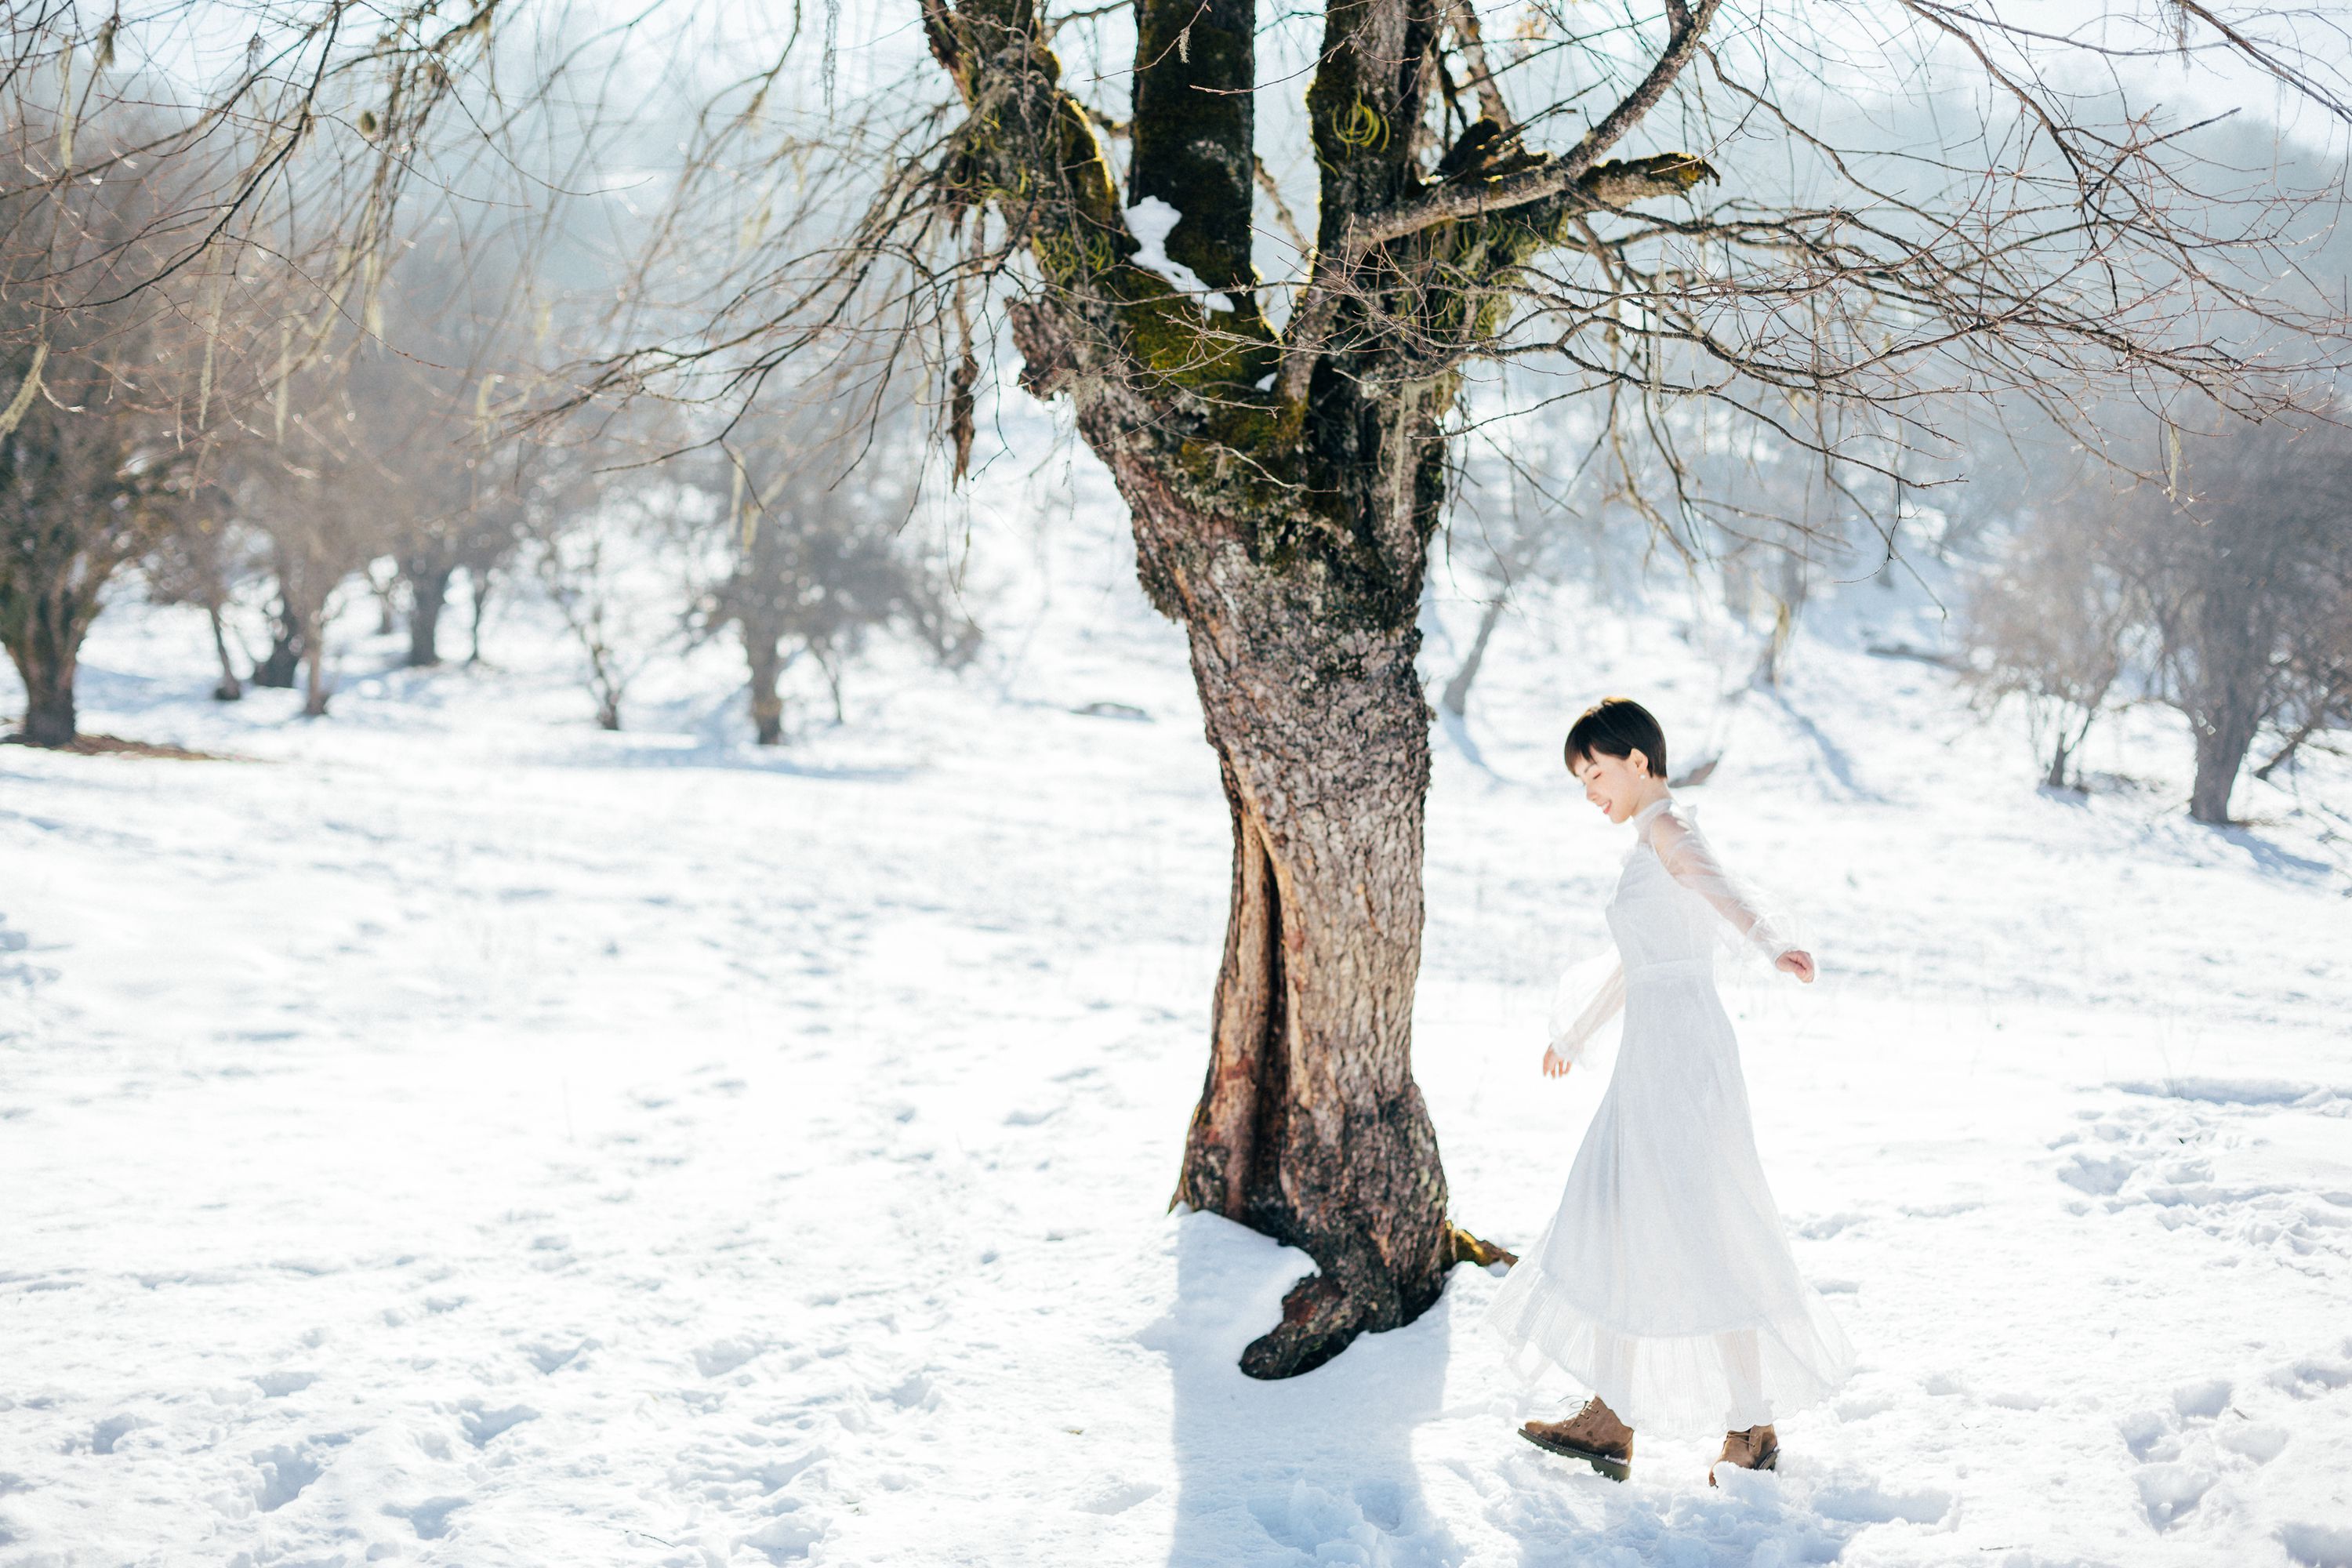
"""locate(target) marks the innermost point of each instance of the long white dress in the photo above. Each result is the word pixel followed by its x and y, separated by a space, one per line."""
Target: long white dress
pixel 1664 1284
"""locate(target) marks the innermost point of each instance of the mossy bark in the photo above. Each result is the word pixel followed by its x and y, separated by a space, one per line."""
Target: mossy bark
pixel 1299 601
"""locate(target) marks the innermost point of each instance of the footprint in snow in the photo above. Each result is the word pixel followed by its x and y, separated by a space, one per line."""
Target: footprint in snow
pixel 279 1476
pixel 2182 1453
pixel 550 1359
pixel 2310 1545
pixel 283 1381
pixel 430 1519
pixel 1119 1497
pixel 720 1357
pixel 1872 1503
pixel 112 1430
pixel 2163 1156
pixel 484 1426
pixel 787 1538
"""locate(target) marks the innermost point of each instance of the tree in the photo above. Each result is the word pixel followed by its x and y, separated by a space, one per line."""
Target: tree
pixel 93 457
pixel 2050 624
pixel 600 542
pixel 1286 471
pixel 201 558
pixel 433 431
pixel 809 509
pixel 2241 573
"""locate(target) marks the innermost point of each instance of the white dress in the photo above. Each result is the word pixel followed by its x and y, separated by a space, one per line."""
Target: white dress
pixel 1665 1284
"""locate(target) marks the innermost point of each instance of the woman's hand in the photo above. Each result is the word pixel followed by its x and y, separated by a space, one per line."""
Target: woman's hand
pixel 1796 962
pixel 1555 1064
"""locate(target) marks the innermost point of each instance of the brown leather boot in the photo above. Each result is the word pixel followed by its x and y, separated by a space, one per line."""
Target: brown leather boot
pixel 1758 1448
pixel 1593 1434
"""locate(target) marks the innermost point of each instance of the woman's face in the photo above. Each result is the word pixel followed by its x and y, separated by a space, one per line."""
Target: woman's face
pixel 1615 784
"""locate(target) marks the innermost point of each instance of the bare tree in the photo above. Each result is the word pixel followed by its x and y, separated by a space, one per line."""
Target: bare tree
pixel 2050 625
pixel 322 531
pixel 448 315
pixel 2319 666
pixel 603 542
pixel 94 448
pixel 2240 573
pixel 811 547
pixel 202 559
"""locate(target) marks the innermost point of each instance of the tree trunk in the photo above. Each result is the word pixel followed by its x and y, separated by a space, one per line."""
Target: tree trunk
pixel 428 593
pixel 2059 755
pixel 2221 747
pixel 478 600
pixel 767 667
pixel 1457 697
pixel 1310 1127
pixel 284 660
pixel 46 664
pixel 228 689
pixel 315 690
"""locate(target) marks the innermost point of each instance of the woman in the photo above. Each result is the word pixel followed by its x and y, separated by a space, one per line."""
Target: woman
pixel 1666 1283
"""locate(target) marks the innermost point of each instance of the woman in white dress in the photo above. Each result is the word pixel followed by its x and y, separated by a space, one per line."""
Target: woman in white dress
pixel 1664 1283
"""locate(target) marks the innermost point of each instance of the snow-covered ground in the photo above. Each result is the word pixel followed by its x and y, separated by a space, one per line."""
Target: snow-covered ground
pixel 453 1134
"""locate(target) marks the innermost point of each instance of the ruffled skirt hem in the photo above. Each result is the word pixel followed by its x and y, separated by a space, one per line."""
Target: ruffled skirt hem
pixel 1785 1360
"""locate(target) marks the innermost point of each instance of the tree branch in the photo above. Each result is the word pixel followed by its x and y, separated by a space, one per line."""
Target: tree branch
pixel 1595 184
pixel 1474 54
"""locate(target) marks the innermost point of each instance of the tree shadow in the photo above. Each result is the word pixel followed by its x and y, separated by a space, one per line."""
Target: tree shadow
pixel 1313 1468
pixel 2269 858
pixel 1833 756
pixel 1749 1519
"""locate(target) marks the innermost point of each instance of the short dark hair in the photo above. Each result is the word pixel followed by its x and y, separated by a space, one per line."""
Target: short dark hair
pixel 1616 727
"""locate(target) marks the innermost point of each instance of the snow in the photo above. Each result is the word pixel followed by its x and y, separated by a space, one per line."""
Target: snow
pixel 1152 220
pixel 453 1134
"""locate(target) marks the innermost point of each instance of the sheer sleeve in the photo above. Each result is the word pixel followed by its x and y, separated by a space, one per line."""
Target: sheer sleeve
pixel 1578 1010
pixel 1690 860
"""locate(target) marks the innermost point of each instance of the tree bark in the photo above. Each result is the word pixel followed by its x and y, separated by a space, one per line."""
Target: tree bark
pixel 767 669
pixel 477 604
pixel 46 664
pixel 315 690
pixel 1310 1127
pixel 2223 742
pixel 428 594
pixel 279 667
pixel 43 620
pixel 228 689
pixel 2059 754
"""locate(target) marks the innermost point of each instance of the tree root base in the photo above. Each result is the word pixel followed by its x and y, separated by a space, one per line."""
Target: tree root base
pixel 1318 1321
pixel 1468 1248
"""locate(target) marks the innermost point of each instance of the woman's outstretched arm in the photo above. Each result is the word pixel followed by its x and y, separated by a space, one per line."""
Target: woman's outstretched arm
pixel 1690 860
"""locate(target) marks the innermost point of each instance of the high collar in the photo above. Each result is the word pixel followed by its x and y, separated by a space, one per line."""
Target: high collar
pixel 1648 814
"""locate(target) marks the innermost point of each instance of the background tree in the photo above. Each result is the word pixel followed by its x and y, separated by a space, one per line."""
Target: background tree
pixel 2240 573
pixel 2050 624
pixel 94 457
pixel 449 317
pixel 202 559
pixel 811 508
pixel 602 541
